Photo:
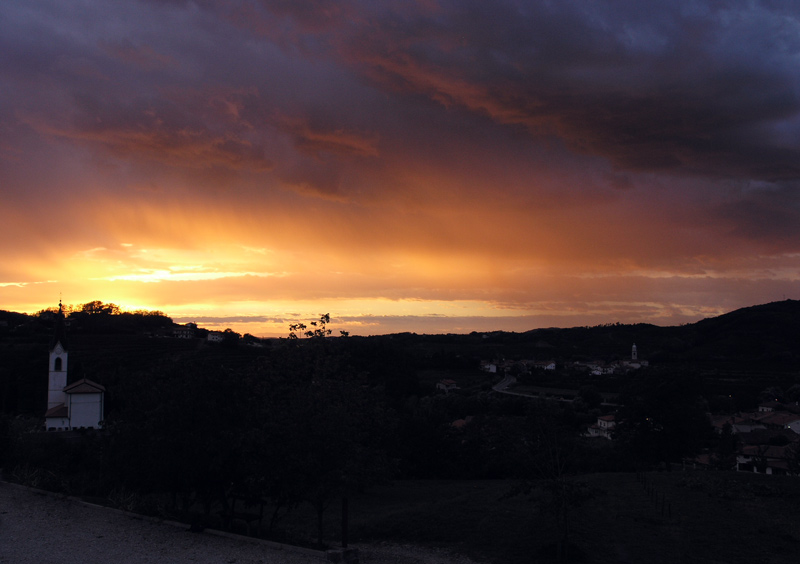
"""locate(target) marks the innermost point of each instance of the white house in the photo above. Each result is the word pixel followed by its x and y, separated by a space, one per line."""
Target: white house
pixel 75 406
pixel 604 427
pixel 215 337
pixel 765 459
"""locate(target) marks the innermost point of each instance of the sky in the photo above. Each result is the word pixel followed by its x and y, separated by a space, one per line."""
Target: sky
pixel 433 166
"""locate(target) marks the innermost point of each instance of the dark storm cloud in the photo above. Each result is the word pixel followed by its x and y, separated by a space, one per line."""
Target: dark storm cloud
pixel 697 87
pixel 579 153
pixel 157 130
pixel 704 88
pixel 768 215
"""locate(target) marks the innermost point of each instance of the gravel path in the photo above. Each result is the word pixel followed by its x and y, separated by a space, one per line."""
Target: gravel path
pixel 43 529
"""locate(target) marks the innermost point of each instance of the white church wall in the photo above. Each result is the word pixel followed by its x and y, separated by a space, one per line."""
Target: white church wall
pixel 85 410
pixel 57 423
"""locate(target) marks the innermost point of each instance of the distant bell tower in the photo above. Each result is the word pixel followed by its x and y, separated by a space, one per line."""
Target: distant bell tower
pixel 634 354
pixel 57 380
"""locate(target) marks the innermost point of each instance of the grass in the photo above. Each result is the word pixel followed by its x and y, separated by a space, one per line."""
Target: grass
pixel 716 517
pixel 700 517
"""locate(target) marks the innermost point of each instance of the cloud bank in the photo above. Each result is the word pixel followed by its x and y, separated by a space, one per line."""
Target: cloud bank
pixel 555 163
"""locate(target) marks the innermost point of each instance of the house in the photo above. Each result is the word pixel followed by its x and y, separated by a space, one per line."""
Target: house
pixel 766 459
pixel 184 331
pixel 604 427
pixel 545 364
pixel 740 423
pixel 773 451
pixel 762 419
pixel 780 420
pixel 446 385
pixel 78 405
pixel 770 406
pixel 215 337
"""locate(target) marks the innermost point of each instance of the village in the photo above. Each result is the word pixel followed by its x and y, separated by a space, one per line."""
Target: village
pixel 765 441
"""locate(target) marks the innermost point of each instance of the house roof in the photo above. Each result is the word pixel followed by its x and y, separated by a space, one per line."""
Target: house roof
pixel 719 421
pixel 606 418
pixel 59 410
pixel 780 418
pixel 767 451
pixel 764 436
pixel 84 386
pixel 771 404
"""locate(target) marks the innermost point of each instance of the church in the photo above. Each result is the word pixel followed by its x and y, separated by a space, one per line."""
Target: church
pixel 78 405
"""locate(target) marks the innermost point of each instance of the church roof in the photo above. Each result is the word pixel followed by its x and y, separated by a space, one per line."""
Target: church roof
pixel 59 410
pixel 84 386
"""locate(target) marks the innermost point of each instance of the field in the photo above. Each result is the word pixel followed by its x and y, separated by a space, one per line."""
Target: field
pixel 658 517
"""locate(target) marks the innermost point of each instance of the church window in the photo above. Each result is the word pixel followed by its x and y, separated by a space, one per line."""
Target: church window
pixel 57 365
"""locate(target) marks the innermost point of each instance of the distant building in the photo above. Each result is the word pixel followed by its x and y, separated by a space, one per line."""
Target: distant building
pixel 604 427
pixel 635 362
pixel 765 459
pixel 185 332
pixel 215 337
pixel 770 406
pixel 446 385
pixel 75 406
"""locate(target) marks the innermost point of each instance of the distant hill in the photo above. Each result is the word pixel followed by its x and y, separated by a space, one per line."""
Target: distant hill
pixel 761 342
pixel 764 336
pixel 768 333
pixel 762 339
pixel 12 319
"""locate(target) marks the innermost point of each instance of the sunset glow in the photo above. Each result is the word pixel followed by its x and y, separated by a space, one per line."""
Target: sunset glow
pixel 427 166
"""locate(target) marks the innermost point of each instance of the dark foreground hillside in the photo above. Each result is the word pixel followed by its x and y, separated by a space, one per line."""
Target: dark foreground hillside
pixel 657 518
pixel 297 425
pixel 707 518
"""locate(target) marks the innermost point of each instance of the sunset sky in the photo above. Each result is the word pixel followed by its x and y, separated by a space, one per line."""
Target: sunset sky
pixel 430 166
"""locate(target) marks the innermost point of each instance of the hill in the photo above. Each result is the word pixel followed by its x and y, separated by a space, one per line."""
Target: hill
pixel 755 346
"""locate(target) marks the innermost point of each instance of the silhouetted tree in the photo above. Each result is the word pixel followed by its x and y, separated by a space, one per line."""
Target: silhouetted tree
pixel 553 453
pixel 724 455
pixel 335 444
pixel 664 416
pixel 97 307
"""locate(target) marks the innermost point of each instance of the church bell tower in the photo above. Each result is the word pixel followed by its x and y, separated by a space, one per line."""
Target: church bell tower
pixel 57 379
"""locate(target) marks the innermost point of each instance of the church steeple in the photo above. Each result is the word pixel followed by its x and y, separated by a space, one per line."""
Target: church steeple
pixel 57 379
pixel 77 406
